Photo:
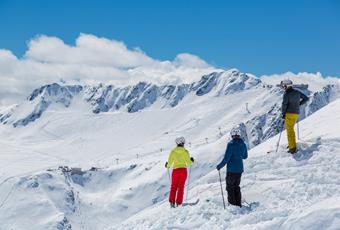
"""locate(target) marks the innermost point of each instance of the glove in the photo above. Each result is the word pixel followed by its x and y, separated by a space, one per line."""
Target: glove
pixel 218 168
pixel 283 116
pixel 192 159
pixel 166 164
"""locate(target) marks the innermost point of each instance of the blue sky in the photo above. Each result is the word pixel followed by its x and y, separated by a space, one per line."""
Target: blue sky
pixel 260 37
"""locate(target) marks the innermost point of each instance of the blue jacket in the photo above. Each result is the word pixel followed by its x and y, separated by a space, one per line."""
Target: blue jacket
pixel 235 153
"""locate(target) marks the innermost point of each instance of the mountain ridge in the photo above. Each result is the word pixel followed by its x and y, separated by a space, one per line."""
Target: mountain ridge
pixel 131 99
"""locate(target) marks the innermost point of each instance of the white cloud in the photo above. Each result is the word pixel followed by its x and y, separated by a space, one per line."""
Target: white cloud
pixel 91 60
pixel 189 60
pixel 89 50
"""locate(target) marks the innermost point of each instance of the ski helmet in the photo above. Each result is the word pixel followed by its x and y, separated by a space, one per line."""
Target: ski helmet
pixel 286 83
pixel 180 141
pixel 235 132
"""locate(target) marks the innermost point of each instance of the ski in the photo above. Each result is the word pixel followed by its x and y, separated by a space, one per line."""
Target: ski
pixel 191 203
pixel 250 206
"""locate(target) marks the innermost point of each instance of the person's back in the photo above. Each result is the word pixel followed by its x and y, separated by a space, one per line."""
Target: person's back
pixel 235 153
pixel 238 150
pixel 179 158
pixel 292 101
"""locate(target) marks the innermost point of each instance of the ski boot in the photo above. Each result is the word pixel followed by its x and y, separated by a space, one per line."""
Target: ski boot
pixel 292 151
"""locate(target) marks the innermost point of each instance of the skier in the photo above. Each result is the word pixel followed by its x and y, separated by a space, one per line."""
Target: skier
pixel 235 153
pixel 292 100
pixel 179 158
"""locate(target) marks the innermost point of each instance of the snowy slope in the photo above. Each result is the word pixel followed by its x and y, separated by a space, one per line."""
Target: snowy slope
pixel 290 192
pixel 129 148
pixel 301 192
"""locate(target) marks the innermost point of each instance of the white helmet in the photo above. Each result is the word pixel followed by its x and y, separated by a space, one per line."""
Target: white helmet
pixel 286 83
pixel 180 141
pixel 235 132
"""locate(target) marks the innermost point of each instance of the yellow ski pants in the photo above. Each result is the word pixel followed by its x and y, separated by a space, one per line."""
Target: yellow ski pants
pixel 290 120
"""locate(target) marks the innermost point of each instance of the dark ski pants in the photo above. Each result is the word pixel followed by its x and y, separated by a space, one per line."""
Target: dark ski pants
pixel 179 177
pixel 233 188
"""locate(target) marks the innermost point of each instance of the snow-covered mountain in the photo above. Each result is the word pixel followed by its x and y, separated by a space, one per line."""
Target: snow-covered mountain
pixel 103 98
pixel 260 126
pixel 90 157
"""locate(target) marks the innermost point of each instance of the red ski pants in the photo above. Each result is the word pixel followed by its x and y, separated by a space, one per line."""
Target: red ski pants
pixel 179 177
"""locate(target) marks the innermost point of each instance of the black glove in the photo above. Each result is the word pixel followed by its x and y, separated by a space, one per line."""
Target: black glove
pixel 166 164
pixel 283 116
pixel 218 168
pixel 192 159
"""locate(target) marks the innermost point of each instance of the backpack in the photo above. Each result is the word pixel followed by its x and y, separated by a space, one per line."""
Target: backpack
pixel 302 88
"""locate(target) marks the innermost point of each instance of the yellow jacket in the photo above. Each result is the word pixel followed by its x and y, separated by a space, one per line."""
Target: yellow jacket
pixel 179 158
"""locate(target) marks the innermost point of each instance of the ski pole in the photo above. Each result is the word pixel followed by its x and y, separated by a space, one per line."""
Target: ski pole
pixel 186 198
pixel 278 142
pixel 221 188
pixel 169 176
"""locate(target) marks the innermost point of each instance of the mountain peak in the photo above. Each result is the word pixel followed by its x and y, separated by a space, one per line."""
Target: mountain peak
pixel 231 81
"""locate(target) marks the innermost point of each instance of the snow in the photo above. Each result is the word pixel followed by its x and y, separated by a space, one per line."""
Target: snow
pixel 300 193
pixel 128 188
